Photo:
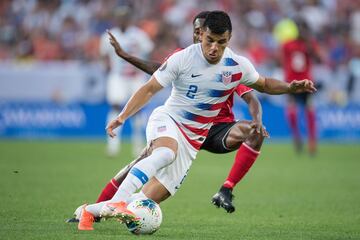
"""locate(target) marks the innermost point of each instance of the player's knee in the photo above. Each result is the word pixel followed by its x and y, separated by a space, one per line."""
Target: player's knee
pixel 255 140
pixel 166 154
pixel 240 131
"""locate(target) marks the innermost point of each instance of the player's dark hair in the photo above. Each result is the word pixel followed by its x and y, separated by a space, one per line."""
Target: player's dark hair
pixel 218 22
pixel 201 15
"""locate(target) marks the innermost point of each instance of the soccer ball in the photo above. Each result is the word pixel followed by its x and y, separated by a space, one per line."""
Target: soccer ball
pixel 148 216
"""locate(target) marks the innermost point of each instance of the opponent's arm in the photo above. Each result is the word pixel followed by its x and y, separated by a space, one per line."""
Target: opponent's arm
pixel 135 103
pixel 273 86
pixel 254 106
pixel 147 66
pixel 255 110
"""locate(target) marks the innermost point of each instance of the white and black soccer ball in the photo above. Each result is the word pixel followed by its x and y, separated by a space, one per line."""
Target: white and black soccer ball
pixel 148 216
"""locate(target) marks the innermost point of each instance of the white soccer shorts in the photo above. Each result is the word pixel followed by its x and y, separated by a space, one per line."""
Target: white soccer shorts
pixel 160 124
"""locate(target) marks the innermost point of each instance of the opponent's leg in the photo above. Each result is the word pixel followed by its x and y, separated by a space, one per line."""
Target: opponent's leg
pixel 250 141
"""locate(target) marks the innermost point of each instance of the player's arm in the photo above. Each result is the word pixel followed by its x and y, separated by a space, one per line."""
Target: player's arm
pixel 147 66
pixel 274 87
pixel 135 103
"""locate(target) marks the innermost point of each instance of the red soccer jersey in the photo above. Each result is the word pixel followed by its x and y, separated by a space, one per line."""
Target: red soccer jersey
pixel 296 60
pixel 226 114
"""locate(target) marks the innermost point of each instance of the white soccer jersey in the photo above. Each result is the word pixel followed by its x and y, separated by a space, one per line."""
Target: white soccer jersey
pixel 199 89
pixel 134 41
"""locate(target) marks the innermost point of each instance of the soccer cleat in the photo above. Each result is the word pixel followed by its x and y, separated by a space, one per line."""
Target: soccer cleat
pixel 223 199
pixel 118 211
pixel 72 220
pixel 86 220
pixel 77 215
pixel 76 220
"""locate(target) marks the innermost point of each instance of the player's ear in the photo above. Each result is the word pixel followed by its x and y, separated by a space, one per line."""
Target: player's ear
pixel 201 34
pixel 202 31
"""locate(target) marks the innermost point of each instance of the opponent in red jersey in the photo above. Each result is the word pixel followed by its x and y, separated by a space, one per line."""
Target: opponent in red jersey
pixel 226 135
pixel 297 61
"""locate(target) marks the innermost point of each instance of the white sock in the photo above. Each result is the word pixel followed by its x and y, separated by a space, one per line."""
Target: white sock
pixel 113 144
pixel 139 195
pixel 141 172
pixel 95 208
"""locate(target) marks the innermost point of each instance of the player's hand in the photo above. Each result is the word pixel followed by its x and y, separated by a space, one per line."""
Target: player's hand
pixel 260 128
pixel 115 43
pixel 302 86
pixel 113 125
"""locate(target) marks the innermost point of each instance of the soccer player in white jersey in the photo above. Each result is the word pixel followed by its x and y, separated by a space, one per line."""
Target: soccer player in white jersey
pixel 226 134
pixel 202 78
pixel 123 80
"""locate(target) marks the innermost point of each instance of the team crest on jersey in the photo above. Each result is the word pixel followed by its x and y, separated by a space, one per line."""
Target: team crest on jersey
pixel 226 77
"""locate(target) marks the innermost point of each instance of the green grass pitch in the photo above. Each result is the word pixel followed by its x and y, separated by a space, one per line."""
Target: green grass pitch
pixel 284 196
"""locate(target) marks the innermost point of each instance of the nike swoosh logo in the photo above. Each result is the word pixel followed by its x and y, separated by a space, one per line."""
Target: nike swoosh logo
pixel 195 75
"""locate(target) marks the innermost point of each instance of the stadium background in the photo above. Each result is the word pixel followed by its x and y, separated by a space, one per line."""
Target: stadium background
pixel 52 82
pixel 52 106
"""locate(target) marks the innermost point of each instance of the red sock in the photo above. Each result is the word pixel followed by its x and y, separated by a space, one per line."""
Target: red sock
pixel 292 118
pixel 244 159
pixel 310 114
pixel 108 191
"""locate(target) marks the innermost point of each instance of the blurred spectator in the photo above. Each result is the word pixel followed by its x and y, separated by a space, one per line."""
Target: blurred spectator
pixel 123 79
pixel 70 29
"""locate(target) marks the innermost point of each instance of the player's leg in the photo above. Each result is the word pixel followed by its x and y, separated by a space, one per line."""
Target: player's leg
pixel 155 190
pixel 311 124
pixel 162 132
pixel 161 163
pixel 111 187
pixel 243 137
pixel 292 117
pixel 164 153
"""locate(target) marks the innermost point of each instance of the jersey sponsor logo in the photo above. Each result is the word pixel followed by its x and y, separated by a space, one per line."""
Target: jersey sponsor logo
pixel 195 75
pixel 226 77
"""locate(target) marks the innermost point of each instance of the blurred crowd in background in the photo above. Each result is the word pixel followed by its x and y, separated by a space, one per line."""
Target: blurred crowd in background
pixel 32 30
